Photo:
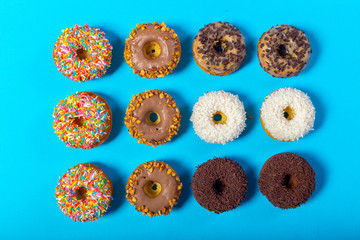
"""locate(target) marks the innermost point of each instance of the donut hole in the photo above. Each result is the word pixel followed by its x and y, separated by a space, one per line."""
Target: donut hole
pixel 219 118
pixel 79 121
pixel 290 181
pixel 282 50
pixel 151 50
pixel 152 118
pixel 82 54
pixel 219 46
pixel 80 193
pixel 218 186
pixel 289 113
pixel 152 189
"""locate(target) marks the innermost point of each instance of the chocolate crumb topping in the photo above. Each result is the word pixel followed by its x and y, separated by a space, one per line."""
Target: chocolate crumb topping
pixel 219 185
pixel 287 180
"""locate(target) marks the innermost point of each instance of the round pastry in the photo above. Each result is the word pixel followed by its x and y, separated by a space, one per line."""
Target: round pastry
pixel 218 117
pixel 153 50
pixel 152 117
pixel 82 53
pixel 219 48
pixel 84 192
pixel 287 180
pixel 284 51
pixel 82 120
pixel 287 114
pixel 219 185
pixel 154 188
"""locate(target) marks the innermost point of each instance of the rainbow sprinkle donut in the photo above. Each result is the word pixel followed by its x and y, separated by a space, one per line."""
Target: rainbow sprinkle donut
pixel 83 120
pixel 82 53
pixel 84 192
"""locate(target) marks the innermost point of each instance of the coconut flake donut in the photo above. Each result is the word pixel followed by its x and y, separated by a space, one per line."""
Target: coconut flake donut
pixel 152 50
pixel 287 114
pixel 152 117
pixel 284 51
pixel 287 180
pixel 82 120
pixel 219 48
pixel 218 117
pixel 82 53
pixel 84 192
pixel 154 188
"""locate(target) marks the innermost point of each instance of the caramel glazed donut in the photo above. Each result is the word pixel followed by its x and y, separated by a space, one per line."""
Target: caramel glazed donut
pixel 154 188
pixel 284 51
pixel 153 50
pixel 219 48
pixel 152 117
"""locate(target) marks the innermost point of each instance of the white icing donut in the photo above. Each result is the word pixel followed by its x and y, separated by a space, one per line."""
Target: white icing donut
pixel 212 128
pixel 287 114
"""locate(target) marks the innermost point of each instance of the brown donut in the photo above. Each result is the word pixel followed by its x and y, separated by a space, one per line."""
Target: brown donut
pixel 153 50
pixel 219 185
pixel 284 51
pixel 219 48
pixel 139 119
pixel 287 180
pixel 154 188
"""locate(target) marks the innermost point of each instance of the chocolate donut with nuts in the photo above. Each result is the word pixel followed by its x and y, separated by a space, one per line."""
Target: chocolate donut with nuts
pixel 153 50
pixel 219 48
pixel 152 117
pixel 154 188
pixel 287 180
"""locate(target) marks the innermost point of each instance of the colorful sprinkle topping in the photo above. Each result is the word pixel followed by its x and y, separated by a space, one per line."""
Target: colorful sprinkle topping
pixel 83 193
pixel 80 120
pixel 82 53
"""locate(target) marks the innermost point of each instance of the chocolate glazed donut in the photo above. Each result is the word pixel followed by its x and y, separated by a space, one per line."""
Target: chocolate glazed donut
pixel 287 180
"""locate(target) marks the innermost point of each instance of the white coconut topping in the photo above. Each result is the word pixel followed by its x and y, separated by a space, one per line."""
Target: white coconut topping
pixel 274 121
pixel 211 103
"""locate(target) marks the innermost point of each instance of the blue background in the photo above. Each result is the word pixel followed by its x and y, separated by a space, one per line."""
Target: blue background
pixel 32 157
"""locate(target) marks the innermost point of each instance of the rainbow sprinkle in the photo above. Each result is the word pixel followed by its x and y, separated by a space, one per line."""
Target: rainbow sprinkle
pixel 80 106
pixel 89 39
pixel 96 199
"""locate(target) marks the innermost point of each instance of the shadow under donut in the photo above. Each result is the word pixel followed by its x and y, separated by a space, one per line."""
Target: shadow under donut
pixel 186 48
pixel 316 50
pixel 251 47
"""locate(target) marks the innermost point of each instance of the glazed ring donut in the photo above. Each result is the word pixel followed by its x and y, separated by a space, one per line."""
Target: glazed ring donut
pixel 218 117
pixel 219 48
pixel 84 192
pixel 154 188
pixel 153 50
pixel 82 53
pixel 152 117
pixel 219 185
pixel 284 51
pixel 82 120
pixel 287 114
pixel 287 180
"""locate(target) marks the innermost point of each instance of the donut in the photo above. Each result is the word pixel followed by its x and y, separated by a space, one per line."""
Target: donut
pixel 152 50
pixel 154 188
pixel 82 120
pixel 219 48
pixel 284 51
pixel 152 117
pixel 218 117
pixel 219 185
pixel 287 180
pixel 82 53
pixel 84 192
pixel 287 114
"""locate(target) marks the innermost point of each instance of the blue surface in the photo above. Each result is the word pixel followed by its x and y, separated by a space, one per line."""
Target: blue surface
pixel 32 157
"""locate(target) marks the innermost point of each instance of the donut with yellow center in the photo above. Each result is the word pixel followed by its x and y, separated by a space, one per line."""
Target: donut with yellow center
pixel 284 51
pixel 152 50
pixel 154 188
pixel 152 117
pixel 219 48
pixel 82 120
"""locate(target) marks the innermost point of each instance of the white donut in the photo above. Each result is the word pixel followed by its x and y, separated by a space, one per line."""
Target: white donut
pixel 287 114
pixel 223 130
